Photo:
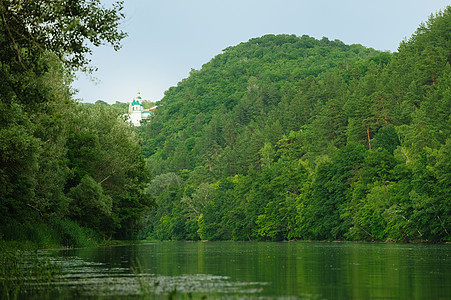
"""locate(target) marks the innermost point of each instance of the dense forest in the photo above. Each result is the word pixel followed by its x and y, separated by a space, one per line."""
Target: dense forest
pixel 278 138
pixel 286 137
pixel 70 174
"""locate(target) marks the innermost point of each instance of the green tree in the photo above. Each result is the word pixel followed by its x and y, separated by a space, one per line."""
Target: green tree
pixel 303 138
pixel 66 29
pixel 18 162
pixel 320 216
pixel 89 205
pixel 42 43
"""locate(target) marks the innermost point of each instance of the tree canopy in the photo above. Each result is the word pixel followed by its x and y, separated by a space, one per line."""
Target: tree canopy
pixel 286 137
pixel 69 174
pixel 282 137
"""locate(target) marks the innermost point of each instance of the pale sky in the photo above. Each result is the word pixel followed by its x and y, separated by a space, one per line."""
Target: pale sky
pixel 168 38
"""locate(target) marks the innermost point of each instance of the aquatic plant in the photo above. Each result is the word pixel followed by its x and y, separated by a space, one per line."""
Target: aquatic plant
pixel 23 272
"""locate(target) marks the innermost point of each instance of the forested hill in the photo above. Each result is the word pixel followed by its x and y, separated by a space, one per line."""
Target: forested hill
pixel 248 82
pixel 287 137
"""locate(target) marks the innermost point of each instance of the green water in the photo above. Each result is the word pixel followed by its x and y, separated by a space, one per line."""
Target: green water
pixel 291 270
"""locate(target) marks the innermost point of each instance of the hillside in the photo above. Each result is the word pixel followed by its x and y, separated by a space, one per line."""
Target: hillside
pixel 286 137
pixel 247 83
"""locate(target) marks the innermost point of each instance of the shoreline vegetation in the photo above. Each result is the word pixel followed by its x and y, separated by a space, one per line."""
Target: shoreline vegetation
pixel 279 138
pixel 70 174
pixel 288 137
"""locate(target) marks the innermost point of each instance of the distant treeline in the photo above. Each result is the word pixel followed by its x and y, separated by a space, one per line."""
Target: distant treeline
pixel 120 107
pixel 286 137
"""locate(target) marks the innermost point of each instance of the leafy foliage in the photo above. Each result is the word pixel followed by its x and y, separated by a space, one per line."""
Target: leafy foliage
pixel 278 138
pixel 68 173
pixel 287 137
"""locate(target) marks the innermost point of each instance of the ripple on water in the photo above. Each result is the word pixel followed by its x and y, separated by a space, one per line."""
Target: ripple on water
pixel 95 279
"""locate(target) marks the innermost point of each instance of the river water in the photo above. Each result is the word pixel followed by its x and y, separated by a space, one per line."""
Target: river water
pixel 245 270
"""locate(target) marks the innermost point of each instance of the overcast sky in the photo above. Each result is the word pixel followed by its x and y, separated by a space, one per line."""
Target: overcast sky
pixel 168 38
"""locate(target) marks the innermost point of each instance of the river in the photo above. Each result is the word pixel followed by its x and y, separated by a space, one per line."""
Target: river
pixel 230 270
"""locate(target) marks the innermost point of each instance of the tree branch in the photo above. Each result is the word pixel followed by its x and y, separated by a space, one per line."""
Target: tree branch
pixel 16 48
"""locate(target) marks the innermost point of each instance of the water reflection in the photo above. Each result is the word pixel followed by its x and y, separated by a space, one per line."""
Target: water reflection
pixel 296 269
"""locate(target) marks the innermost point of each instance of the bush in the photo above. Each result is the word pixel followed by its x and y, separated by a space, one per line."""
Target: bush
pixel 39 234
pixel 73 235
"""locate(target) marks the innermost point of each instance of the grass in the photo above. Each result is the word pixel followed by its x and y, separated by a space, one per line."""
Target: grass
pixel 22 271
pixel 19 268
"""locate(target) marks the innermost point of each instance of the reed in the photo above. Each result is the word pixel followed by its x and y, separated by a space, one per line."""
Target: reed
pixel 23 273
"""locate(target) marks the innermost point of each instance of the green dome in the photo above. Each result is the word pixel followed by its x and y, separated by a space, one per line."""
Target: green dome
pixel 136 102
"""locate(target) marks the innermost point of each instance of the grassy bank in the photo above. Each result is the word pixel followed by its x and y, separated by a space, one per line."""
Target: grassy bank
pixel 22 270
pixel 53 234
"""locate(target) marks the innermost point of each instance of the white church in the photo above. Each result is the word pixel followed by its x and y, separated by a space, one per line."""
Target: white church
pixel 136 111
